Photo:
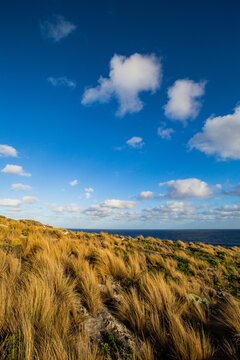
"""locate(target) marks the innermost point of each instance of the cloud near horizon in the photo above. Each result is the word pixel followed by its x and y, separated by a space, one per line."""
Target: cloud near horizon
pixel 225 212
pixel 171 210
pixel 57 29
pixel 128 77
pixel 219 136
pixel 15 203
pixel 109 208
pixel 30 199
pixel 70 208
pixel 118 204
pixel 10 202
pixel 104 209
pixel 235 190
pixel 184 102
pixel 187 188
pixel 183 211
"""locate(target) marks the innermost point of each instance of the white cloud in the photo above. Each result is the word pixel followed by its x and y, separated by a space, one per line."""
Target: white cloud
pixel 6 150
pixel 70 208
pixel 229 208
pixel 73 207
pixel 10 202
pixel 170 211
pixel 165 133
pixel 58 28
pixel 14 170
pixel 109 208
pixel 91 190
pixel 144 195
pixel 73 183
pixel 187 188
pixel 135 142
pixel 29 199
pixel 12 211
pixel 184 100
pixel 21 187
pixel 235 190
pixel 56 208
pixel 62 82
pixel 225 211
pixel 220 136
pixel 128 77
pixel 88 192
pixel 98 211
pixel 119 204
pixel 15 203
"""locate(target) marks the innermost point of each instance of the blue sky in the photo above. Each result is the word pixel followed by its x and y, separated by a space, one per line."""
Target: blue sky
pixel 120 114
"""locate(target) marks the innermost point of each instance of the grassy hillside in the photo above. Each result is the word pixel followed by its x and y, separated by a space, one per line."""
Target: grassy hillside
pixel 74 295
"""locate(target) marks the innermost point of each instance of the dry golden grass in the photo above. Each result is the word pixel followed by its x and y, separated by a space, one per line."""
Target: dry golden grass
pixel 187 342
pixel 229 317
pixel 72 295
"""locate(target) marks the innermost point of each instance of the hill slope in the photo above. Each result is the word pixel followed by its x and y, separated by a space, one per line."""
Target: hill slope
pixel 74 295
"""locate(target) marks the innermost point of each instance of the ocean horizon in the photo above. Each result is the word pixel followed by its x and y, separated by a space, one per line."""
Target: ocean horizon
pixel 221 237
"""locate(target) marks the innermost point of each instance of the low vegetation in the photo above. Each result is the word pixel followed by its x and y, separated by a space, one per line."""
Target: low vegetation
pixel 73 295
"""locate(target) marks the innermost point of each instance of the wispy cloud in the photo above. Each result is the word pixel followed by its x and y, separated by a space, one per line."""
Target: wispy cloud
pixel 128 77
pixel 145 195
pixel 166 213
pixel 70 208
pixel 135 142
pixel 165 133
pixel 91 190
pixel 220 136
pixel 15 170
pixel 30 199
pixel 108 208
pixel 98 212
pixel 10 202
pixel 6 150
pixel 170 211
pixel 21 187
pixel 235 190
pixel 73 183
pixel 62 82
pixel 15 203
pixel 57 29
pixel 88 192
pixel 224 212
pixel 184 100
pixel 119 204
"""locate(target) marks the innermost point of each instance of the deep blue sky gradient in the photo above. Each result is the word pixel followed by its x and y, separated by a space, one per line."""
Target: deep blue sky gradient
pixel 58 139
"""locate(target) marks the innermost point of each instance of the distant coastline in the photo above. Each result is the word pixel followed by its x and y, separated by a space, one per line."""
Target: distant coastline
pixel 222 237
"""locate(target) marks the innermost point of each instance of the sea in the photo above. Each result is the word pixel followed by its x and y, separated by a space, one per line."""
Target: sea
pixel 228 238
